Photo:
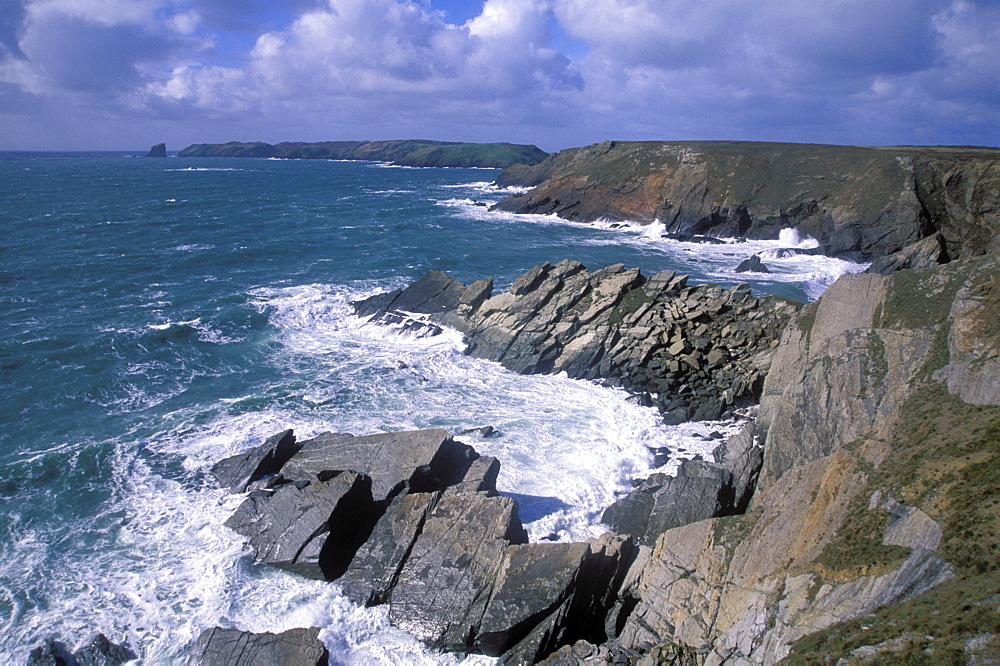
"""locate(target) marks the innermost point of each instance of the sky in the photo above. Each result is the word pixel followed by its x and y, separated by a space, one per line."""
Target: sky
pixel 125 74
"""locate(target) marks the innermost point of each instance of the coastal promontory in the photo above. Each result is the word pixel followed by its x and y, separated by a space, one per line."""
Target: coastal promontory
pixel 860 203
pixel 414 153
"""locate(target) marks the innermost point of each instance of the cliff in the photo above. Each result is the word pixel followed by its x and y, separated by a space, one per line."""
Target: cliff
pixel 417 153
pixel 862 203
pixel 875 520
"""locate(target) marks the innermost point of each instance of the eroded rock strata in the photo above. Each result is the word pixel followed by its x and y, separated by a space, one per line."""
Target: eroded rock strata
pixel 864 494
pixel 862 203
pixel 694 350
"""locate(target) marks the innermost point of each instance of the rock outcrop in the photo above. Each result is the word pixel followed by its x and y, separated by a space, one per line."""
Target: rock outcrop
pixel 694 350
pixel 413 520
pixel 159 150
pixel 853 514
pixel 415 153
pixel 99 652
pixel 222 647
pixel 861 203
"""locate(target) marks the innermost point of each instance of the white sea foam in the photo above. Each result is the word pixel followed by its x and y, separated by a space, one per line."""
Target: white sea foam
pixel 206 169
pixel 812 273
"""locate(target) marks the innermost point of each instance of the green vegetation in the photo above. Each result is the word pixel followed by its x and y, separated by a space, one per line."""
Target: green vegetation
pixel 418 153
pixel 858 542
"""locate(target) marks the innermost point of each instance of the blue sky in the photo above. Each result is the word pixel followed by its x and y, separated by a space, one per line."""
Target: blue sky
pixel 124 74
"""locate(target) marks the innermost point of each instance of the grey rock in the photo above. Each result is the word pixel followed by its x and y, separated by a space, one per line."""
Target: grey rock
pixel 926 253
pixel 239 471
pixel 375 567
pixel 752 265
pixel 446 582
pixel 743 458
pixel 700 490
pixel 537 579
pixel 420 460
pixel 50 653
pixel 102 652
pixel 158 150
pixel 225 647
pixel 481 476
pixel 313 530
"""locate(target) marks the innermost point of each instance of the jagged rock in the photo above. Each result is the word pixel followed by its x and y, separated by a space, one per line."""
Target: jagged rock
pixel 481 476
pixel 753 264
pixel 697 350
pixel 99 652
pixel 223 647
pixel 444 586
pixel 312 530
pixel 742 458
pixel 482 431
pixel 51 653
pixel 373 570
pixel 239 471
pixel 581 614
pixel 925 253
pixel 537 579
pixel 159 150
pixel 421 460
pixel 102 652
pixel 700 490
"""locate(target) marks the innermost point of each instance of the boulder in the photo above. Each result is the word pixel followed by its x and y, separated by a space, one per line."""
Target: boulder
pixel 239 471
pixel 537 579
pixel 312 530
pixel 752 265
pixel 222 647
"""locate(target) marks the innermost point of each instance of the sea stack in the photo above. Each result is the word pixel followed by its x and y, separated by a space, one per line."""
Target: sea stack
pixel 159 150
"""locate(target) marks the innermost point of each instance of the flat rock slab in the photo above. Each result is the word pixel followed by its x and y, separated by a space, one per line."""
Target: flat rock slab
pixel 426 460
pixel 289 527
pixel 445 585
pixel 226 647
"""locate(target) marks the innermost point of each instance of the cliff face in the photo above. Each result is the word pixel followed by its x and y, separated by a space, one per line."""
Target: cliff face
pixel 858 202
pixel 875 520
pixel 417 153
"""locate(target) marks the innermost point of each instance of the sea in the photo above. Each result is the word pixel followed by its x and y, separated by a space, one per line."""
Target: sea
pixel 158 315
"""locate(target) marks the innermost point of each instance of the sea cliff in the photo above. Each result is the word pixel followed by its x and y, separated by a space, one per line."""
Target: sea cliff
pixel 861 203
pixel 415 153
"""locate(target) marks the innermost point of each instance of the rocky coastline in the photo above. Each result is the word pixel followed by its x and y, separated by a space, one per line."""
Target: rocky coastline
pixel 859 203
pixel 856 518
pixel 827 510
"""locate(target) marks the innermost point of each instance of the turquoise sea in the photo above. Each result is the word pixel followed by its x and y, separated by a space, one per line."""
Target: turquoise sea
pixel 158 315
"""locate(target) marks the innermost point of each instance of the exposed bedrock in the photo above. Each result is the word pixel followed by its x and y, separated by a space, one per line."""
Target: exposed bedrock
pixel 882 421
pixel 695 350
pixel 223 647
pixel 413 520
pixel 862 203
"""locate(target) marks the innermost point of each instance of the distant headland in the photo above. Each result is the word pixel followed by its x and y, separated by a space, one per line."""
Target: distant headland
pixel 416 153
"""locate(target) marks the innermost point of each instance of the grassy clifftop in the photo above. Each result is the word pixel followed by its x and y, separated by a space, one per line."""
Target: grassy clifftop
pixel 861 202
pixel 417 153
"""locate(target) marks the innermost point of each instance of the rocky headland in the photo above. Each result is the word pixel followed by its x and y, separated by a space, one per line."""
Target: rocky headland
pixel 860 203
pixel 415 153
pixel 855 518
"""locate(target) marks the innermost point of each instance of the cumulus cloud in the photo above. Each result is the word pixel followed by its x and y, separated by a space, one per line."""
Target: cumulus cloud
pixel 845 71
